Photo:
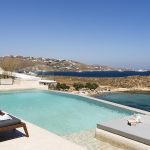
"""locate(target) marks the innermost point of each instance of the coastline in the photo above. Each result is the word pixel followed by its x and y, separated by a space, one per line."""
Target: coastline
pixel 94 93
pixel 134 84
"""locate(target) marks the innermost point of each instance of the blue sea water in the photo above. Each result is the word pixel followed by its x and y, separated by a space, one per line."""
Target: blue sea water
pixel 96 73
pixel 136 100
pixel 59 113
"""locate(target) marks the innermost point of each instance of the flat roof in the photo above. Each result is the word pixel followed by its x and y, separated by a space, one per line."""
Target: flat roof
pixel 139 133
pixel 47 81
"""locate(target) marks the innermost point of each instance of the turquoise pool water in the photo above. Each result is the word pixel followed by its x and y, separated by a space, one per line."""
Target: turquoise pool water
pixel 59 113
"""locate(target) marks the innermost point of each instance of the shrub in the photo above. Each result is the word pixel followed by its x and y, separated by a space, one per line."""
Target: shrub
pixel 78 86
pixel 62 86
pixel 91 86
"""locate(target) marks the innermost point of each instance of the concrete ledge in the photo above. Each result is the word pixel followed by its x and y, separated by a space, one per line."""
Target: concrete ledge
pixel 120 141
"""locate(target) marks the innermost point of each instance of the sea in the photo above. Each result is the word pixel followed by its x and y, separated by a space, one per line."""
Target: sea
pixel 135 100
pixel 95 73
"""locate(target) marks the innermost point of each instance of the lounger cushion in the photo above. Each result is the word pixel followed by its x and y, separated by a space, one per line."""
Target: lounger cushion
pixel 13 121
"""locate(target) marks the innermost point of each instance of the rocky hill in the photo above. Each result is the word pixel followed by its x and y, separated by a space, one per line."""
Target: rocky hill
pixel 28 64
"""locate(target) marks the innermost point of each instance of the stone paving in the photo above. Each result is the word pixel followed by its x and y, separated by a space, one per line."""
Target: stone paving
pixel 39 139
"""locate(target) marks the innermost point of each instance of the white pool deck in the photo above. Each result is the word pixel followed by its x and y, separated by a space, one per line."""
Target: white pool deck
pixel 39 139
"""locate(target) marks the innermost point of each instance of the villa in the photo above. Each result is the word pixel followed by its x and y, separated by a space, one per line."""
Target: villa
pixel 74 75
pixel 23 81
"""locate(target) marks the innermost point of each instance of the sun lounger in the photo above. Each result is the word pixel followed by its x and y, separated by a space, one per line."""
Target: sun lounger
pixel 12 124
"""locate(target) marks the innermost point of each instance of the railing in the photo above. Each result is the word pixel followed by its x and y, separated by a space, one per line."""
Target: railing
pixel 8 81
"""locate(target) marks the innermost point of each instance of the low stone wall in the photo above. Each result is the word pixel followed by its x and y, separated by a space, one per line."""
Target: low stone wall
pixel 22 84
pixel 26 82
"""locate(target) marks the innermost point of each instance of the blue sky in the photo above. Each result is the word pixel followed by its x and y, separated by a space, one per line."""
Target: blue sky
pixel 105 32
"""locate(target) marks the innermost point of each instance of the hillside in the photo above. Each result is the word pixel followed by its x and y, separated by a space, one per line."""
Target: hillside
pixel 129 83
pixel 27 64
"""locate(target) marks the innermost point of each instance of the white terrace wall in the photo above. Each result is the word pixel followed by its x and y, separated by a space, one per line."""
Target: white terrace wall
pixel 26 82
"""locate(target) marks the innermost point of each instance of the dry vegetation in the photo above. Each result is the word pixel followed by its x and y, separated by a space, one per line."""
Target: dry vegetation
pixel 123 82
pixel 15 64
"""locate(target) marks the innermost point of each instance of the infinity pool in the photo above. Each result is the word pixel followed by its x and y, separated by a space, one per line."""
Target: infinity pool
pixel 59 113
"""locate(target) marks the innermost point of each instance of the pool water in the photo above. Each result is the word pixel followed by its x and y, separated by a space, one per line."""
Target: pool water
pixel 60 113
pixel 136 100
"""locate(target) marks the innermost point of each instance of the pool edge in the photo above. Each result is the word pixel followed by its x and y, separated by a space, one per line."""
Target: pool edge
pixel 106 102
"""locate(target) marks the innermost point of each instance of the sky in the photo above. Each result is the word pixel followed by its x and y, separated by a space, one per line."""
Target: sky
pixel 106 32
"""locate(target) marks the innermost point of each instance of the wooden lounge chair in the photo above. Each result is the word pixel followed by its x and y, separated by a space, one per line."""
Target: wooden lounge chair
pixel 12 124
